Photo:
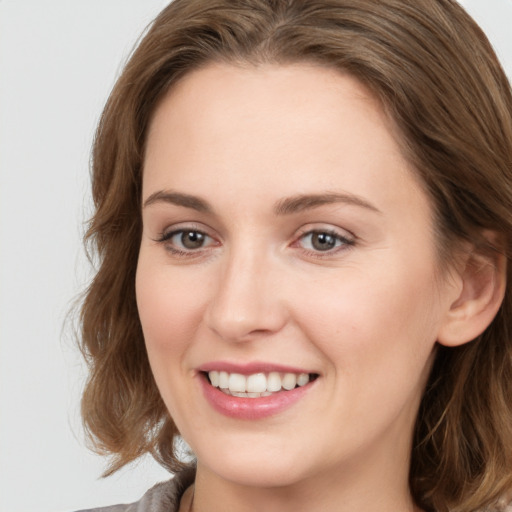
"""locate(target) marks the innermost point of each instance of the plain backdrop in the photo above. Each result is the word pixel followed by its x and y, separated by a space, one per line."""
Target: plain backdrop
pixel 58 62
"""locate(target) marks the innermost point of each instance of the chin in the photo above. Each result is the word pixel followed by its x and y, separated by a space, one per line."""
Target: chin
pixel 256 464
pixel 268 473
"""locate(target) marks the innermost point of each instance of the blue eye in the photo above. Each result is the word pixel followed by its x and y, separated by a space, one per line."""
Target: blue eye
pixel 323 241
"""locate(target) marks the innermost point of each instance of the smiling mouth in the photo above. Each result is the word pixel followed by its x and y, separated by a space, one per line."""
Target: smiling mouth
pixel 257 385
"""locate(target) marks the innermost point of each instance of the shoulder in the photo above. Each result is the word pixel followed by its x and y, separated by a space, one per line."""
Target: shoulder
pixel 163 497
pixel 505 506
pixel 502 505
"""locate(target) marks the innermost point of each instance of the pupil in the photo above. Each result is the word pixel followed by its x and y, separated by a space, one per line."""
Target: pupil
pixel 192 239
pixel 323 241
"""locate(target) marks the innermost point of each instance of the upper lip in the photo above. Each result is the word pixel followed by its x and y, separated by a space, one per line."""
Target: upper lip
pixel 250 368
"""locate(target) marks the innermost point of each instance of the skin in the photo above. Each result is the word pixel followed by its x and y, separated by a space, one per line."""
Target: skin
pixel 365 315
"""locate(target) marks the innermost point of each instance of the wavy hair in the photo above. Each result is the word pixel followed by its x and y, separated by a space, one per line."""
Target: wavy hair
pixel 440 82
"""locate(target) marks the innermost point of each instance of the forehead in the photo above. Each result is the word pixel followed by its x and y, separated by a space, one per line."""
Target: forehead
pixel 284 129
pixel 303 97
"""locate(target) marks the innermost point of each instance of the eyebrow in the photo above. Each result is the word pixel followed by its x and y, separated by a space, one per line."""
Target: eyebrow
pixel 299 203
pixel 178 199
pixel 286 206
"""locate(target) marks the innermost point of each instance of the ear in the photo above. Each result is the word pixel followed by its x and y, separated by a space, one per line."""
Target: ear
pixel 481 284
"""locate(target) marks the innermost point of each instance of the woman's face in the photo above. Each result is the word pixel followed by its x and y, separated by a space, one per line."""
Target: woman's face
pixel 286 243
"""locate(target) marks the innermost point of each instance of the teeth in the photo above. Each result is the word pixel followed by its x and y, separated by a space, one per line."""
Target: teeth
pixel 214 378
pixel 237 383
pixel 274 382
pixel 289 381
pixel 302 379
pixel 257 384
pixel 223 380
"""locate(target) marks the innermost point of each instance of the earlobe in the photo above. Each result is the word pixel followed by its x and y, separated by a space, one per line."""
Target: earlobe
pixel 482 288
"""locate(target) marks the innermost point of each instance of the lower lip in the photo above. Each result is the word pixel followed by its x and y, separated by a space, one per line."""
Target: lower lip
pixel 251 408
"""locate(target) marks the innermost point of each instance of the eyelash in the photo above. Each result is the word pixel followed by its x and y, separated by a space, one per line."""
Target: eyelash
pixel 345 243
pixel 166 237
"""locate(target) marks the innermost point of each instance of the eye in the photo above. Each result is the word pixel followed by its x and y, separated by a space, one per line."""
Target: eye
pixel 189 239
pixel 182 241
pixel 324 241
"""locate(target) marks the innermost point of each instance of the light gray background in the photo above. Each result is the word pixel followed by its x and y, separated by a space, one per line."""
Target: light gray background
pixel 58 62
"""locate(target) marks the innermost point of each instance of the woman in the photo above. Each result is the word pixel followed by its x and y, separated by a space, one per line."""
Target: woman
pixel 303 223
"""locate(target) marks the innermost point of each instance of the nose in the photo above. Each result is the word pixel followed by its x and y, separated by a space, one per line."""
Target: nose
pixel 246 302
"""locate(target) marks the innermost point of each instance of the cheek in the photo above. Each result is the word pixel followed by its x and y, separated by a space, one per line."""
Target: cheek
pixel 169 311
pixel 169 306
pixel 374 324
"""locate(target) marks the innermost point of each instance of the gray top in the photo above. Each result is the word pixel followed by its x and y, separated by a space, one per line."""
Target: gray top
pixel 163 497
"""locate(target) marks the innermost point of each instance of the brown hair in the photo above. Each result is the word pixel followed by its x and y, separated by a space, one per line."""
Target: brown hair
pixel 440 81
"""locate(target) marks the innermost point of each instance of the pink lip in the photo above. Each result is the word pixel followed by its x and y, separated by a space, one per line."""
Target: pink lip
pixel 249 368
pixel 251 408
